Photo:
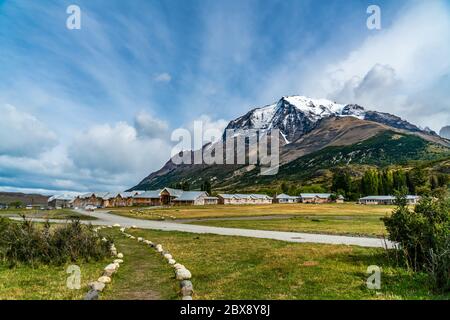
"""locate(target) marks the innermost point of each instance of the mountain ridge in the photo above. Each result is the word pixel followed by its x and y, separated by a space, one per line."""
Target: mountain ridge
pixel 306 126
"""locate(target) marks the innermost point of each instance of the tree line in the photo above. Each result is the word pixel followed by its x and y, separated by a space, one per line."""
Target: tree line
pixel 386 182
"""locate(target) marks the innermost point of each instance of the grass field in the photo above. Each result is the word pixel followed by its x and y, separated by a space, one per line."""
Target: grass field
pixel 144 275
pixel 219 211
pixel 45 282
pixel 236 268
pixel 62 214
pixel 345 219
pixel 343 225
pixel 226 268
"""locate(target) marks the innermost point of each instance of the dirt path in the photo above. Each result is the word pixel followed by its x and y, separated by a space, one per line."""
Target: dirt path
pixel 142 276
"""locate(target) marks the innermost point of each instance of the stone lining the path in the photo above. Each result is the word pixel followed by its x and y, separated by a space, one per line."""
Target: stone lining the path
pixel 181 273
pixel 98 286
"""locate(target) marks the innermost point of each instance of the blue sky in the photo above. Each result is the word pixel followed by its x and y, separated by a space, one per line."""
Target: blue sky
pixel 93 109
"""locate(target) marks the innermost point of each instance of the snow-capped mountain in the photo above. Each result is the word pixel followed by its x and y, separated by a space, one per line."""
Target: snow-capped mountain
pixel 309 126
pixel 296 115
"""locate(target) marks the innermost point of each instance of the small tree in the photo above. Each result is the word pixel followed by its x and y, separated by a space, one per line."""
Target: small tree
pixel 424 236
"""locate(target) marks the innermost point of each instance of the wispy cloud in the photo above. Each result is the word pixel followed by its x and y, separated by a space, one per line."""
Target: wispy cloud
pixel 99 103
pixel 163 77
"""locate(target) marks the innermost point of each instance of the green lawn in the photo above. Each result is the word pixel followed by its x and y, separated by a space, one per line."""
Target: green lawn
pixel 227 268
pixel 144 275
pixel 45 282
pixel 370 226
pixel 241 268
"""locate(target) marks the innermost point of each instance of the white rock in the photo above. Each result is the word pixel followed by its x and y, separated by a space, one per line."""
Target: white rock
pixel 171 261
pixel 112 266
pixel 183 274
pixel 168 256
pixel 116 225
pixel 140 239
pixel 178 266
pixel 119 261
pixel 134 227
pixel 122 230
pixel 120 255
pixel 133 237
pixel 104 239
pixel 104 279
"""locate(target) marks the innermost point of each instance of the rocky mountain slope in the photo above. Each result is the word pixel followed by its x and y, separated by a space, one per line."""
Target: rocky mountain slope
pixel 308 126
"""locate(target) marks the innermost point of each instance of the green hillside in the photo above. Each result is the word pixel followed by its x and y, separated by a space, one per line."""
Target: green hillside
pixel 386 149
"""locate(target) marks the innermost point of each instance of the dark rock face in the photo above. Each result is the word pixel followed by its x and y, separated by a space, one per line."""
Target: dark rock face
pixel 390 120
pixel 292 122
pixel 445 132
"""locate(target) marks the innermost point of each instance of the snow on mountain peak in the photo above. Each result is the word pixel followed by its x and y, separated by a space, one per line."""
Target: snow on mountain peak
pixel 297 115
pixel 314 108
pixel 261 117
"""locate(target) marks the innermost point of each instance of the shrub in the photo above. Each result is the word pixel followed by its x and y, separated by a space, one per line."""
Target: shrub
pixel 424 236
pixel 29 243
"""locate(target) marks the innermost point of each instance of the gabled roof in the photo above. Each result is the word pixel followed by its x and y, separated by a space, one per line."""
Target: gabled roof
pixel 191 195
pixel 127 194
pixel 315 195
pixel 110 195
pixel 260 196
pixel 151 194
pixel 86 195
pixel 285 196
pixel 102 195
pixel 244 196
pixel 227 196
pixel 173 192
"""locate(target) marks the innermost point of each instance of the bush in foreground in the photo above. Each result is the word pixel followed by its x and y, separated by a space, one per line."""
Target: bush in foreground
pixel 424 236
pixel 29 243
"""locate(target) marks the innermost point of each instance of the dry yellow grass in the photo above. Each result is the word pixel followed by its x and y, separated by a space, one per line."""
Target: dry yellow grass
pixel 219 211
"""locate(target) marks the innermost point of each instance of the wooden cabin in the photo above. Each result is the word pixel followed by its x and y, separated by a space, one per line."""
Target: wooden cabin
pixel 194 198
pixel 240 198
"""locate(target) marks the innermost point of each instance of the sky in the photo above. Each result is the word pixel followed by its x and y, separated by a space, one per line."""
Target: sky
pixel 93 109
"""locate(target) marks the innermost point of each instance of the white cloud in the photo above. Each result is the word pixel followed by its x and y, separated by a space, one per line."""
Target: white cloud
pixel 397 69
pixel 402 69
pixel 149 126
pixel 380 81
pixel 163 77
pixel 107 150
pixel 21 134
pixel 413 46
pixel 101 158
